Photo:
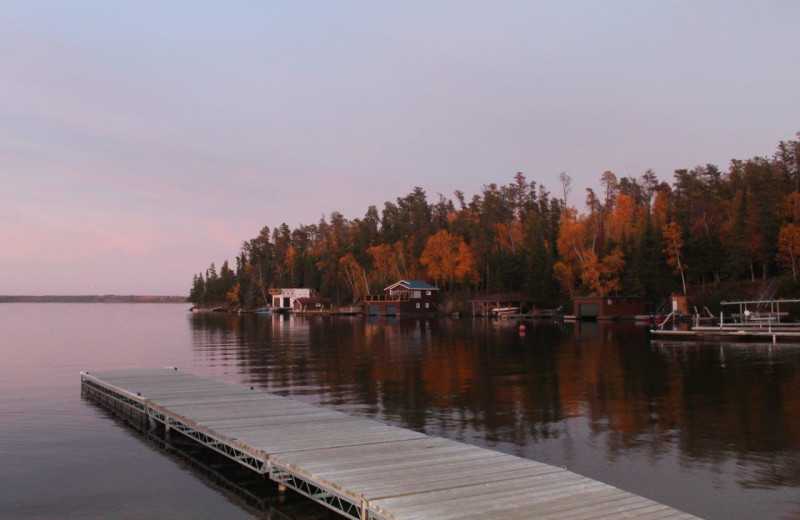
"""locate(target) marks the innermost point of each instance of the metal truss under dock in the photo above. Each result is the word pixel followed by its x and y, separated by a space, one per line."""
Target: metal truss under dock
pixel 361 468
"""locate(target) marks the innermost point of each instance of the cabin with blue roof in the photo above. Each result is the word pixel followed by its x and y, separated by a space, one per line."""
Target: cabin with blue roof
pixel 404 298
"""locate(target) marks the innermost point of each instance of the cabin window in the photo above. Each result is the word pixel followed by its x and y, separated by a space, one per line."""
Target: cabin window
pixel 417 294
pixel 427 293
pixel 417 306
pixel 427 305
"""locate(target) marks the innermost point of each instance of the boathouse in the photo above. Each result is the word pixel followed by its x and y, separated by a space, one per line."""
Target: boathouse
pixel 501 304
pixel 313 304
pixel 284 299
pixel 406 298
pixel 607 307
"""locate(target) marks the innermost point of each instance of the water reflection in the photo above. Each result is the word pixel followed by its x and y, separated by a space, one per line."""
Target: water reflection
pixel 600 396
pixel 257 495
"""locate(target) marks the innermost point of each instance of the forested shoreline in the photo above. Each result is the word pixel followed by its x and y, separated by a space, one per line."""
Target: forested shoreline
pixel 638 236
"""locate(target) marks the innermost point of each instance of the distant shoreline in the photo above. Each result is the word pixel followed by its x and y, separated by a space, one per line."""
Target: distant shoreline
pixel 108 298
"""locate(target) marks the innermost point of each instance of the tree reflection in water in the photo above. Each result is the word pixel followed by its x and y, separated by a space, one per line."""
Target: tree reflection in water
pixel 687 424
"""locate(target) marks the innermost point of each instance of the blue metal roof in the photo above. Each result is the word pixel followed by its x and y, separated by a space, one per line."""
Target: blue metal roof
pixel 415 285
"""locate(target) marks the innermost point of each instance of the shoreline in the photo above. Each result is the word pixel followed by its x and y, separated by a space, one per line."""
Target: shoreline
pixel 108 298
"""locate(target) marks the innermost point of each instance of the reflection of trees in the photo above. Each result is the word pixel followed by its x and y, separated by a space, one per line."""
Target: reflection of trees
pixel 481 380
pixel 740 401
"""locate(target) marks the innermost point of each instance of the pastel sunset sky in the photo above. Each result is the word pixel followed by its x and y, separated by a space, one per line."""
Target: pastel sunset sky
pixel 140 141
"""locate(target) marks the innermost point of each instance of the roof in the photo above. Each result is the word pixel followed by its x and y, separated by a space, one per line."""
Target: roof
pixel 414 285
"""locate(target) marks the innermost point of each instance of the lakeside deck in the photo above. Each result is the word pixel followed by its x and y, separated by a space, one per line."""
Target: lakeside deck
pixel 361 468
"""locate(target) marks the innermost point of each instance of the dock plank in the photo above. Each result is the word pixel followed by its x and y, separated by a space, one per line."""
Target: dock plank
pixel 362 468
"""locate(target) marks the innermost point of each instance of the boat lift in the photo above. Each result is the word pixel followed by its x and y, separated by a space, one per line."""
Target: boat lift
pixel 756 318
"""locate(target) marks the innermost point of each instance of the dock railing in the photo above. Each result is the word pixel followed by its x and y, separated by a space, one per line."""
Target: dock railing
pixel 397 297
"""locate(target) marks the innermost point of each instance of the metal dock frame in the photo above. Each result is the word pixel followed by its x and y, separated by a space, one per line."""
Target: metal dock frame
pixel 359 468
pixel 358 509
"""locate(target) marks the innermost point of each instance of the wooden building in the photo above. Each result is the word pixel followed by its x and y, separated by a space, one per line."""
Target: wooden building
pixel 312 305
pixel 285 298
pixel 404 298
pixel 501 304
pixel 607 307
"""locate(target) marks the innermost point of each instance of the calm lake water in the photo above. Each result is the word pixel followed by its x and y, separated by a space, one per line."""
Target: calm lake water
pixel 712 430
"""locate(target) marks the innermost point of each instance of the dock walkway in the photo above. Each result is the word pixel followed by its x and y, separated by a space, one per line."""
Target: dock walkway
pixel 361 468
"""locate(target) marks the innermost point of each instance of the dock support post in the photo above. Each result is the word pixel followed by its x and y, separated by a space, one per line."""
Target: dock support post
pixel 363 508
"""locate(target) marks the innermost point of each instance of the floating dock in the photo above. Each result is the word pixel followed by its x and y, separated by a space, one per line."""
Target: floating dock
pixel 360 468
pixel 716 334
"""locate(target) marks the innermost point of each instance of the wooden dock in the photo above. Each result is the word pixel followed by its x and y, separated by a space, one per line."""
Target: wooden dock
pixel 360 468
pixel 730 334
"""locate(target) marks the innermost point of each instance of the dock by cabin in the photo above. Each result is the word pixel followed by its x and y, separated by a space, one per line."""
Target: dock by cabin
pixel 404 298
pixel 756 320
pixel 499 305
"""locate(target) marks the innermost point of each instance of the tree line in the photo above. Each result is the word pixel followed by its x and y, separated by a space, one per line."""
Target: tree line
pixel 637 236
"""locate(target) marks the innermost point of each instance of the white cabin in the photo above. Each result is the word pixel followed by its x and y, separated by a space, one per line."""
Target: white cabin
pixel 284 298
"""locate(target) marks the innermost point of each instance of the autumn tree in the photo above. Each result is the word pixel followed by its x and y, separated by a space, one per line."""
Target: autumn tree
pixel 384 264
pixel 789 247
pixel 634 236
pixel 673 244
pixel 448 259
pixel 355 277
pixel 232 296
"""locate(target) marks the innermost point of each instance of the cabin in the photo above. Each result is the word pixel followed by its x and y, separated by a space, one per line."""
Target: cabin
pixel 501 305
pixel 404 298
pixel 608 307
pixel 285 299
pixel 313 304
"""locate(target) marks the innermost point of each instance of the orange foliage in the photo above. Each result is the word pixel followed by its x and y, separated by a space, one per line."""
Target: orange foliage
pixel 509 236
pixel 232 297
pixel 673 243
pixel 448 258
pixel 661 207
pixel 384 262
pixel 790 209
pixel 289 260
pixel 354 275
pixel 600 277
pixel 565 276
pixel 789 247
pixel 621 220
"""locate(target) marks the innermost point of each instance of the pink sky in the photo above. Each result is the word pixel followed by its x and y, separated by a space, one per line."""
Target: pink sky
pixel 140 143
